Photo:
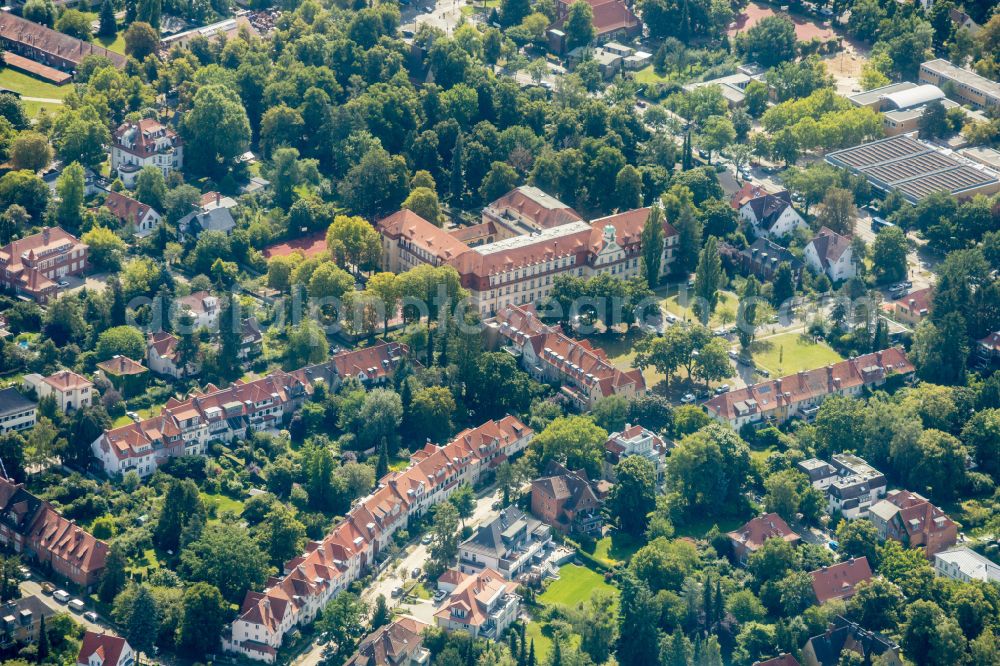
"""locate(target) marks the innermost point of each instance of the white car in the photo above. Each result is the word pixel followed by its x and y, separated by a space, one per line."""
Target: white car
pixel 687 399
pixel 76 606
pixel 62 596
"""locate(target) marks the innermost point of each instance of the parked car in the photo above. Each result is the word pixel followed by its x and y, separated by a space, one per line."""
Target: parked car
pixel 763 372
pixel 439 595
pixel 25 573
pixel 426 539
pixel 76 606
pixel 833 545
pixel 90 616
pixel 62 596
pixel 671 318
pixel 733 354
pixel 48 588
pixel 397 592
pixel 415 573
pixel 63 283
pixel 687 398
pixel 719 390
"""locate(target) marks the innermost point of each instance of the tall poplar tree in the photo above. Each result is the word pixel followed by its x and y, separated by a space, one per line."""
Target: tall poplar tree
pixel 652 246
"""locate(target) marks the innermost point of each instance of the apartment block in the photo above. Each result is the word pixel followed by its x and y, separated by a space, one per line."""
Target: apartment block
pixel 966 85
pixel 34 265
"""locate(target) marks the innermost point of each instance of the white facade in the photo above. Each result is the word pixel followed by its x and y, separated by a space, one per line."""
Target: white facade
pixel 966 565
pixel 788 221
pixel 842 268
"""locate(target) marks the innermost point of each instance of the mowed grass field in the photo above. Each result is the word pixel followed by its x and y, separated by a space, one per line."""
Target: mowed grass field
pixel 29 86
pixel 791 352
pixel 575 585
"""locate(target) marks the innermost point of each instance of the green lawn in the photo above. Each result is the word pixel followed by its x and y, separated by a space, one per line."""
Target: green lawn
pixel 148 563
pixel 222 503
pixel 725 311
pixel 116 43
pixel 575 585
pixel 621 352
pixel 122 420
pixel 614 548
pixel 29 86
pixel 543 644
pixel 648 76
pixel 698 529
pixel 791 352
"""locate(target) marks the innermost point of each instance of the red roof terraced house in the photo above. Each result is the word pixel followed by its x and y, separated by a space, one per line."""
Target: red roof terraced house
pixel 329 566
pixel 583 371
pixel 53 49
pixel 30 526
pixel 840 581
pixel 800 395
pixel 34 265
pixel 105 650
pixel 751 537
pixel 145 143
pixel 913 521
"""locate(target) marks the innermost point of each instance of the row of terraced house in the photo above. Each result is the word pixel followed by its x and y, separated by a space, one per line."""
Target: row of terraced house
pixel 186 427
pixel 356 544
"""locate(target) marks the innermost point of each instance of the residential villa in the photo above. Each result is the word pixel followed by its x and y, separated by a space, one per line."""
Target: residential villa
pixel 832 254
pixel 148 142
pixel 357 543
pixel 912 520
pixel 35 265
pixel 583 372
pixel 800 395
pixel 482 604
pixel 16 411
pixel 839 582
pixel 635 440
pixel 127 376
pixel 568 501
pixel 771 215
pixel 751 537
pixel 70 390
pixel 849 483
pixel 914 307
pixel 512 544
pixel 143 217
pixel 163 358
pixel 399 643
pixel 214 213
pixel 966 565
pixel 841 636
pixel 104 650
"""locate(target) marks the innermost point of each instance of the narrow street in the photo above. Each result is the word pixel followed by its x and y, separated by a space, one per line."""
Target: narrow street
pixel 391 578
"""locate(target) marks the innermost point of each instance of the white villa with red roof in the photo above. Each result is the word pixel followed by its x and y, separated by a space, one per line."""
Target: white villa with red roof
pixel 583 371
pixel 145 218
pixel 145 143
pixel 482 604
pixel 327 567
pixel 802 393
pixel 104 650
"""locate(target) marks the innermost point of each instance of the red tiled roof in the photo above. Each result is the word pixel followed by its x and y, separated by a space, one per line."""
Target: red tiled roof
pixel 840 581
pixel 126 208
pixel 533 204
pixel 109 648
pixel 755 532
pixel 121 365
pixel 830 246
pixel 38 37
pixel 423 234
pixel 810 384
pixel 67 380
pixel 628 228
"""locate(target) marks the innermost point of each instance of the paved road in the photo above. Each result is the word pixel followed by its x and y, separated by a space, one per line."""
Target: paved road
pixel 33 587
pixel 391 579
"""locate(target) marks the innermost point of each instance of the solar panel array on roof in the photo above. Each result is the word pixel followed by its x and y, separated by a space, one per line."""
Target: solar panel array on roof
pixel 914 168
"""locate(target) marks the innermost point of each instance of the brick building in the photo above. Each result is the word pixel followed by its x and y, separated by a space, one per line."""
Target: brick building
pixel 34 265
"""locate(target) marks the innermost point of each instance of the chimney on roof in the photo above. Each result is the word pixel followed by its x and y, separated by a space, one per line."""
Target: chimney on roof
pixel 45 235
